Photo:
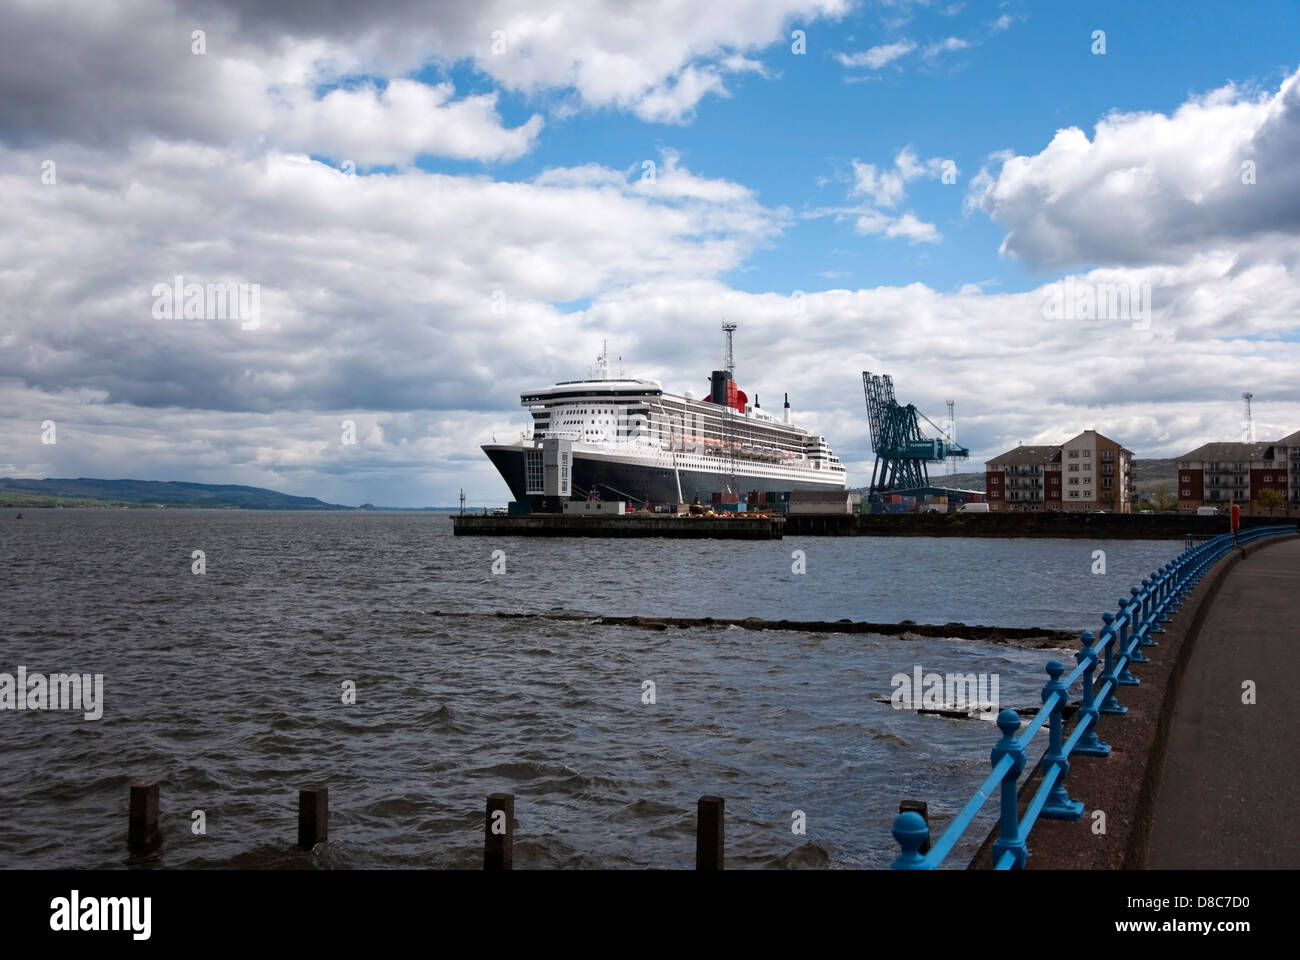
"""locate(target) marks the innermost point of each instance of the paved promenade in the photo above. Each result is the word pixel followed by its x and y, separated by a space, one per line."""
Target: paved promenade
pixel 1230 792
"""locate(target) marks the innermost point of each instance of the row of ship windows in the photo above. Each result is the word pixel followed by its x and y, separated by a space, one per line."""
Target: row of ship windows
pixel 740 428
pixel 817 448
pixel 817 451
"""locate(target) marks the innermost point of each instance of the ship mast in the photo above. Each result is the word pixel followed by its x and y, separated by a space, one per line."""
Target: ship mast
pixel 729 363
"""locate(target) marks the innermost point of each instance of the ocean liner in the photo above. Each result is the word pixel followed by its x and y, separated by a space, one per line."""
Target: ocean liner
pixel 626 439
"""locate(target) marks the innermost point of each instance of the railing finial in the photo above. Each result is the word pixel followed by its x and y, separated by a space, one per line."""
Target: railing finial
pixel 911 832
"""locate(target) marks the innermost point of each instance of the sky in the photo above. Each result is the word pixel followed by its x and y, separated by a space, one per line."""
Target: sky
pixel 1059 216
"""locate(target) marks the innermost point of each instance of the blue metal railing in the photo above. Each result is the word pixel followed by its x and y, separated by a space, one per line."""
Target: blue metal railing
pixel 1140 617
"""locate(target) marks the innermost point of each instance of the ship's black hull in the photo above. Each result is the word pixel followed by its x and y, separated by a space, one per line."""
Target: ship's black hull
pixel 638 483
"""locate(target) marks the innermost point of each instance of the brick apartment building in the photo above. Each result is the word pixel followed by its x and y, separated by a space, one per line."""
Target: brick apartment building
pixel 1087 472
pixel 1221 474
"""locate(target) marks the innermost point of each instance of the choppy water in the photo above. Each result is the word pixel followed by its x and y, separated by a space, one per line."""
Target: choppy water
pixel 226 686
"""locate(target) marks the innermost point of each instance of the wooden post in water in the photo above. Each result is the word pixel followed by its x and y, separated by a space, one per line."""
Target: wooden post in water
pixel 143 835
pixel 499 832
pixel 922 808
pixel 709 834
pixel 313 816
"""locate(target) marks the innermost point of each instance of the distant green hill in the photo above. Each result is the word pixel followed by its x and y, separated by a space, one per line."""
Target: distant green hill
pixel 90 492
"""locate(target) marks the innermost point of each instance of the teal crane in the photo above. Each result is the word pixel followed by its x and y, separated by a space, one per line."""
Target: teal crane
pixel 902 450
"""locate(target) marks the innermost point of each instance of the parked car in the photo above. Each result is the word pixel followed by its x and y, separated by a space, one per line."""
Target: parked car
pixel 1207 511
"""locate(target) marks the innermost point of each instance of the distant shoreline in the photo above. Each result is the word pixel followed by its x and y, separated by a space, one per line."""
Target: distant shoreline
pixel 92 493
pixel 109 505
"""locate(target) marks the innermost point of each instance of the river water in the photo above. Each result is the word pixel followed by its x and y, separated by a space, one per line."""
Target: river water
pixel 229 686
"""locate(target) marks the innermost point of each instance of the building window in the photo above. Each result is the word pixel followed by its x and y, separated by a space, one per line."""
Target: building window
pixel 1187 493
pixel 1074 481
pixel 1268 478
pixel 1056 480
pixel 1087 453
pixel 1087 466
pixel 1186 478
pixel 1074 494
pixel 1074 454
pixel 1074 468
pixel 1105 483
pixel 1108 455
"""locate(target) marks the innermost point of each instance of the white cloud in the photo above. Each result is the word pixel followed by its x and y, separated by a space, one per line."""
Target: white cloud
pixel 887 187
pixel 1150 187
pixel 377 305
pixel 263 59
pixel 913 229
pixel 393 126
pixel 916 231
pixel 877 57
pixel 736 63
pixel 349 268
pixel 674 102
pixel 946 45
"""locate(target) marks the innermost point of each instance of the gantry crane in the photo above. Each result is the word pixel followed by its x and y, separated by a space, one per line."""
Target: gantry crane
pixel 902 451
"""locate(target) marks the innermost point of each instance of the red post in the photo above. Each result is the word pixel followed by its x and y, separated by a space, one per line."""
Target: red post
pixel 1236 517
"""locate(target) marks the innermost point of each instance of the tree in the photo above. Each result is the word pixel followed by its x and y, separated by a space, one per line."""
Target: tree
pixel 1272 499
pixel 1164 500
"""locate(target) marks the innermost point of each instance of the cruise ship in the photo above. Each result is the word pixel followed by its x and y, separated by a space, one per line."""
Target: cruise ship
pixel 626 439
